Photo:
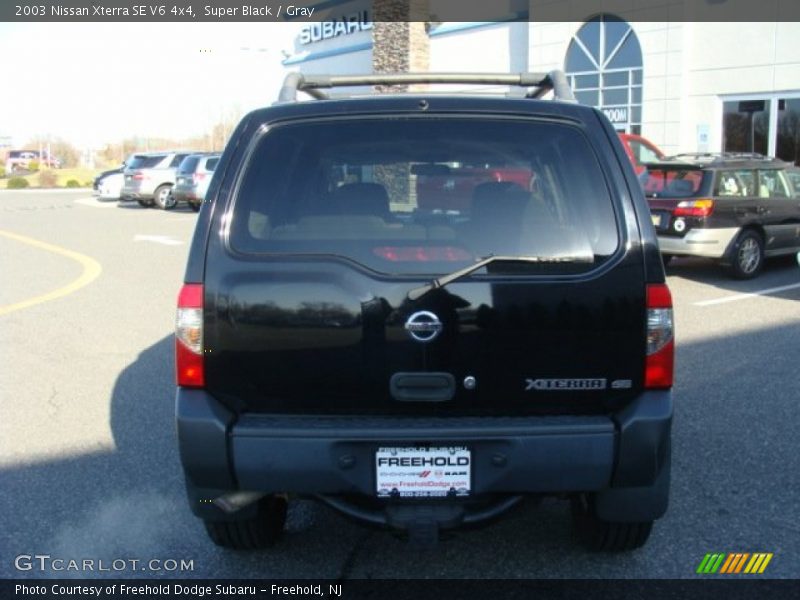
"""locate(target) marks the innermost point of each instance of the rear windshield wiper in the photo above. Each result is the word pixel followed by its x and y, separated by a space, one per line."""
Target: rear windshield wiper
pixel 417 293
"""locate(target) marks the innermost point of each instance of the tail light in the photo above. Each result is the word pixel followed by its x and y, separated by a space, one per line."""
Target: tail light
pixel 694 208
pixel 137 176
pixel 660 362
pixel 190 371
pixel 198 177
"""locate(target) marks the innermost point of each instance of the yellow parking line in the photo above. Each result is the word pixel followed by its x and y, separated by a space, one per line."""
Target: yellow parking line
pixel 91 270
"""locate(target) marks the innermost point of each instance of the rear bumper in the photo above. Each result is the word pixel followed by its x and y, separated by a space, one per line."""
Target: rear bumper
pixel 129 195
pixel 328 455
pixel 185 194
pixel 135 192
pixel 709 243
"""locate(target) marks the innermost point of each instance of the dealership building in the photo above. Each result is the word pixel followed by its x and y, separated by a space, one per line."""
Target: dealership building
pixel 686 86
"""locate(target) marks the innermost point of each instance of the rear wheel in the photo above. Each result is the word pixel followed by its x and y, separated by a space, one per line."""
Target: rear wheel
pixel 747 255
pixel 163 197
pixel 666 259
pixel 195 206
pixel 598 535
pixel 253 533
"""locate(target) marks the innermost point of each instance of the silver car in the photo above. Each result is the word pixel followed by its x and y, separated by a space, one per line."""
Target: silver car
pixel 150 176
pixel 193 178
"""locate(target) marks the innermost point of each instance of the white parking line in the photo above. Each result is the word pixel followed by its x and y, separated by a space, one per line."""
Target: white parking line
pixel 158 239
pixel 95 203
pixel 736 297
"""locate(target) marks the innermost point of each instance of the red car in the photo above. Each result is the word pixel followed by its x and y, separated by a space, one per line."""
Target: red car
pixel 640 150
pixel 449 188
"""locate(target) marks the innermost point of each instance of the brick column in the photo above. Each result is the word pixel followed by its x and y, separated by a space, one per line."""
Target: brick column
pixel 399 45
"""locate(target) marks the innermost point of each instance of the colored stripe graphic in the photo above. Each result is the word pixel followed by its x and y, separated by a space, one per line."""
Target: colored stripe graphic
pixel 759 562
pixel 710 563
pixel 728 562
pixel 734 563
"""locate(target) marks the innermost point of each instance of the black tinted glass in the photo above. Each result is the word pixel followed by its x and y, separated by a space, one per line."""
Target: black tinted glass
pixel 189 164
pixel 426 195
pixel 145 162
pixel 673 182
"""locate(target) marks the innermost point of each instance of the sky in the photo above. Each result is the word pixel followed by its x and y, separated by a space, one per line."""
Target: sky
pixel 98 83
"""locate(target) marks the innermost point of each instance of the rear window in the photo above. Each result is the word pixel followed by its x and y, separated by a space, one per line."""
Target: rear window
pixel 211 163
pixel 794 178
pixel 177 160
pixel 673 182
pixel 427 195
pixel 140 161
pixel 189 164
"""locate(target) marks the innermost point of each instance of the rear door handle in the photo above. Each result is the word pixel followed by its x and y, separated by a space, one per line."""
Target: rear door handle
pixel 422 387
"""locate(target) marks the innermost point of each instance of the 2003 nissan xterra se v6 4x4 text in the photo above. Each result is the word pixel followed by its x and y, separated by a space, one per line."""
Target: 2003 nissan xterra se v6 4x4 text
pixel 421 367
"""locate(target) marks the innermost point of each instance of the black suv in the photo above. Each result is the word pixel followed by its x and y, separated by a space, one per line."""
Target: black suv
pixel 735 207
pixel 425 365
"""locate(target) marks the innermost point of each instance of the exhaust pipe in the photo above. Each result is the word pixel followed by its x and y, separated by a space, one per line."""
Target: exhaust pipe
pixel 235 501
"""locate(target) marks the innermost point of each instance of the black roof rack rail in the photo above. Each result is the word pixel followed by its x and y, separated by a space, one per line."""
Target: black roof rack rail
pixel 538 83
pixel 721 156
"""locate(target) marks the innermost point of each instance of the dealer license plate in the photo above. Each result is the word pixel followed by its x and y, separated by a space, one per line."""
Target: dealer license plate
pixel 423 472
pixel 656 220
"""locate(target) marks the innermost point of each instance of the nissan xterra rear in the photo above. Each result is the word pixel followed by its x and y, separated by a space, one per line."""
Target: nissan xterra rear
pixel 422 368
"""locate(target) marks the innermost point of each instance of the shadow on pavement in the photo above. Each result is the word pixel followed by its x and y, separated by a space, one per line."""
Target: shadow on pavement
pixel 709 272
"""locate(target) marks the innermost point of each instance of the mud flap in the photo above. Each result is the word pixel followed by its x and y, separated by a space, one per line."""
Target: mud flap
pixel 636 504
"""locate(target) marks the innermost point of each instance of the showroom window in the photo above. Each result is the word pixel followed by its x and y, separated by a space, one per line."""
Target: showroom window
pixel 767 124
pixel 604 68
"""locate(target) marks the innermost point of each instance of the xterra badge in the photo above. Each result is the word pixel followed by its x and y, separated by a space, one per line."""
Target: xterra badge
pixel 564 384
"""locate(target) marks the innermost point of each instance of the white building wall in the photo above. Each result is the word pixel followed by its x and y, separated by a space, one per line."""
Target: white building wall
pixel 735 59
pixel 496 48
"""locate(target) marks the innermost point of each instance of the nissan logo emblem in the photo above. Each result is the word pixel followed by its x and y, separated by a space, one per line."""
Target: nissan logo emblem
pixel 423 326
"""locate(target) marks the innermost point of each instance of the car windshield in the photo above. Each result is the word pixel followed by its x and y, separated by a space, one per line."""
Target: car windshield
pixel 427 195
pixel 672 181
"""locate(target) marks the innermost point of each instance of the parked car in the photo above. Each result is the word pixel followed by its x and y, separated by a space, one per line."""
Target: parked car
pixel 117 170
pixel 732 207
pixel 110 186
pixel 447 188
pixel 149 178
pixel 194 175
pixel 20 160
pixel 334 343
pixel 640 151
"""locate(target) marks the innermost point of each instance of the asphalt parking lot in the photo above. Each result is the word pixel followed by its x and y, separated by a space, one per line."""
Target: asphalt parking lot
pixel 89 467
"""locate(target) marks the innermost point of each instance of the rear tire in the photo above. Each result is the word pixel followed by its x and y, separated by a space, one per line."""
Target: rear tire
pixel 666 259
pixel 195 206
pixel 253 533
pixel 747 255
pixel 163 197
pixel 598 535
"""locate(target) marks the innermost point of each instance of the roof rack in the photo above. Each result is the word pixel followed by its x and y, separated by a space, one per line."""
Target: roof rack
pixel 538 83
pixel 722 156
